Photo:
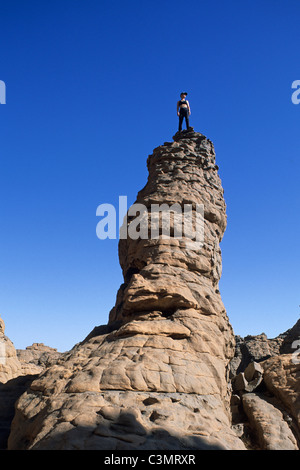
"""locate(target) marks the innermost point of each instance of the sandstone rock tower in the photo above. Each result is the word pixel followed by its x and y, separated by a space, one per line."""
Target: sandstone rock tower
pixel 156 376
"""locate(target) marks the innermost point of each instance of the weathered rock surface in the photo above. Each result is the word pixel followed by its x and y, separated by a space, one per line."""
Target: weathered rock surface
pixel 38 354
pixel 166 372
pixel 17 371
pixel 254 348
pixel 271 429
pixel 10 365
pixel 291 341
pixel 282 378
pixel 272 410
pixel 157 376
pixel 10 391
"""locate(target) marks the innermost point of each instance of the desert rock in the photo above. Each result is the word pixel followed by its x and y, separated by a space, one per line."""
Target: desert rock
pixel 166 371
pixel 157 377
pixel 272 431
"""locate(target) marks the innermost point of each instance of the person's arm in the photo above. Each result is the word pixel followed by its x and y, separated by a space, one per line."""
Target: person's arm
pixel 177 108
pixel 189 107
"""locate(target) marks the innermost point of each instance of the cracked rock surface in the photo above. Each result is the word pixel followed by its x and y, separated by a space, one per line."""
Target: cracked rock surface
pixel 155 377
pixel 166 371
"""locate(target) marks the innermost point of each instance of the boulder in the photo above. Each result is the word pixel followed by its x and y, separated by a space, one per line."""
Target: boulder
pixel 271 430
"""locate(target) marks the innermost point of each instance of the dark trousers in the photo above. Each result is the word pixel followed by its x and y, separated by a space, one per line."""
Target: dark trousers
pixel 183 114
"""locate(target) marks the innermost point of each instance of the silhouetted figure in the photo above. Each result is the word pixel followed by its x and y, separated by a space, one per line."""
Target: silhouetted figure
pixel 183 111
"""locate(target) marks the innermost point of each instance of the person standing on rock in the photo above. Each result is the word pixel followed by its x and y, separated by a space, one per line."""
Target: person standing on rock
pixel 183 111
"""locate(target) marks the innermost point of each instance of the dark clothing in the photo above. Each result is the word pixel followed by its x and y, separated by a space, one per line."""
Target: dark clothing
pixel 182 102
pixel 183 113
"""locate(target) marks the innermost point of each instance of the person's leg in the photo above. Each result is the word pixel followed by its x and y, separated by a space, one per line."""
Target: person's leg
pixel 186 117
pixel 180 121
pixel 187 121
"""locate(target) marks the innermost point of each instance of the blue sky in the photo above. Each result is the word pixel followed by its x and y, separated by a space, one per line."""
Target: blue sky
pixel 91 89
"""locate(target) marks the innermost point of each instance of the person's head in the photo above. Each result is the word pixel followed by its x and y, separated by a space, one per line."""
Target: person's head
pixel 183 95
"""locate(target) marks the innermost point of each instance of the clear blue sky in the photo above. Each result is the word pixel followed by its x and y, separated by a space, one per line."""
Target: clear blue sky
pixel 92 87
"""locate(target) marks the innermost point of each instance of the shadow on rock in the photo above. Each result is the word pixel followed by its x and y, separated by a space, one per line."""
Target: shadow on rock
pixel 9 393
pixel 124 433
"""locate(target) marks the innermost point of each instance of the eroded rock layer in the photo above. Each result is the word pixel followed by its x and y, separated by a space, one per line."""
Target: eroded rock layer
pixel 16 374
pixel 155 377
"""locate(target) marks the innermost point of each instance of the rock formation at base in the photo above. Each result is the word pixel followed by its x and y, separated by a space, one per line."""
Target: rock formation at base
pixel 164 373
pixel 265 403
pixel 10 365
pixel 18 368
